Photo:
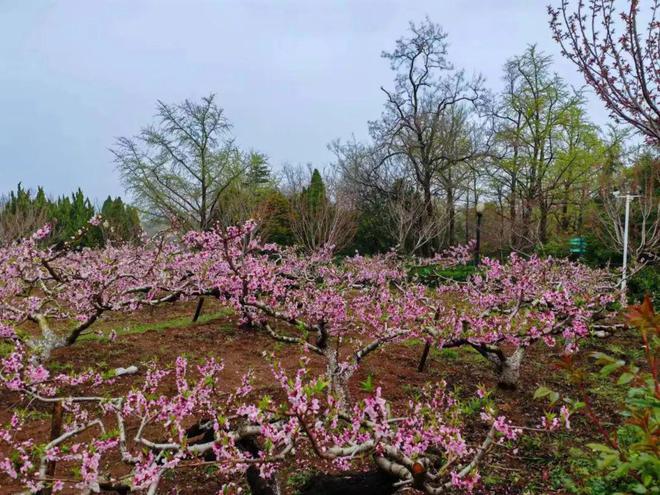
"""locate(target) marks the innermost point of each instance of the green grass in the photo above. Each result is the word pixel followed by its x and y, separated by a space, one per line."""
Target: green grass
pixel 297 480
pixel 445 353
pixel 413 343
pixel 178 322
pixel 31 414
pixel 631 354
pixel 462 354
pixel 604 388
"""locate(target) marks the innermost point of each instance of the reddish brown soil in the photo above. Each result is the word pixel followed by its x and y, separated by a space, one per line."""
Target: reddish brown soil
pixel 393 369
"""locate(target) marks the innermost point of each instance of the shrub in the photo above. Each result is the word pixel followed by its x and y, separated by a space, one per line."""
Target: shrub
pixel 646 281
pixel 626 460
pixel 434 275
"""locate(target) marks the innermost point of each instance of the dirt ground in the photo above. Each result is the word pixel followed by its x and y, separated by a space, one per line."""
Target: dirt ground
pixel 535 468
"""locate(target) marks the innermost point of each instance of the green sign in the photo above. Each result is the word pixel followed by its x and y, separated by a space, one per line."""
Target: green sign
pixel 578 245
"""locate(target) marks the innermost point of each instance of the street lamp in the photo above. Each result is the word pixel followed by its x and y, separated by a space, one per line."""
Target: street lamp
pixel 477 251
pixel 628 198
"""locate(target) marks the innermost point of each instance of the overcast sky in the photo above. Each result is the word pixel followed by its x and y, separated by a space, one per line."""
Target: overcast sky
pixel 291 75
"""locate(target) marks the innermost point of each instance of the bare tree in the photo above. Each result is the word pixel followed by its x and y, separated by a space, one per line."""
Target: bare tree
pixel 643 181
pixel 179 168
pixel 424 137
pixel 463 145
pixel 319 218
pixel 618 61
pixel 409 224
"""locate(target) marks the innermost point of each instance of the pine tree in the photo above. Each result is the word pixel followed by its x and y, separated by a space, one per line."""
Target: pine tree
pixel 314 195
pixel 21 213
pixel 122 219
pixel 258 172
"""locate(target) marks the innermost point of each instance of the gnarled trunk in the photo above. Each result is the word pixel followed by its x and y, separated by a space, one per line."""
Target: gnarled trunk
pixel 338 379
pixel 508 369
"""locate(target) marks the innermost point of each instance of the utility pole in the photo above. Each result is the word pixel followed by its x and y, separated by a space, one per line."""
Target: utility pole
pixel 626 224
pixel 477 252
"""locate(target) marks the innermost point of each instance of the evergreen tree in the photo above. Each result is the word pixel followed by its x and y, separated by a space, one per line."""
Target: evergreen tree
pixel 314 195
pixel 121 219
pixel 258 172
pixel 275 212
pixel 22 213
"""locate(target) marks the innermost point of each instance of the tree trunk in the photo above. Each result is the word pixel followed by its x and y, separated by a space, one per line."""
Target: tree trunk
pixel 430 217
pixel 526 225
pixel 55 432
pixel 258 484
pixel 543 223
pixel 451 210
pixel 198 309
pixel 565 221
pixel 467 214
pixel 199 433
pixel 338 379
pixel 509 370
pixel 580 218
pixel 512 212
pixel 425 354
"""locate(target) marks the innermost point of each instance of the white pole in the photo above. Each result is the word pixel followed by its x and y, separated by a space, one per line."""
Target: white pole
pixel 625 249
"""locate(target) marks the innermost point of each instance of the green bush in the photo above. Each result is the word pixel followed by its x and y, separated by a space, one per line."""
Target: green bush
pixel 557 248
pixel 646 281
pixel 434 275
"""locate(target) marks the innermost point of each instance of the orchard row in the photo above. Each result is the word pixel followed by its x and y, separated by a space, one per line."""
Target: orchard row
pixel 338 312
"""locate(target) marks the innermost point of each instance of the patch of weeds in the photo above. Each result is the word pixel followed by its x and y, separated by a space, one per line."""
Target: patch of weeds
pixel 6 349
pixel 531 443
pixel 178 322
pixel 629 353
pixel 492 479
pixel 57 367
pixel 411 390
pixel 211 470
pixel 414 343
pixel 560 478
pixel 188 356
pixel 451 354
pixel 467 354
pixel 32 415
pixel 297 480
pixel 115 351
pixel 555 450
pixel 228 329
pixel 603 387
pixel 475 405
pixel 368 385
pixel 532 487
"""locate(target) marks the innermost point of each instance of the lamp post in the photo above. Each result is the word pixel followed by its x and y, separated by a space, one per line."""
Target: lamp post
pixel 626 222
pixel 477 251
